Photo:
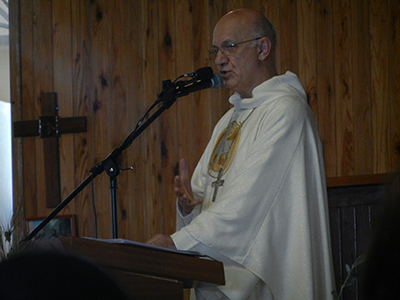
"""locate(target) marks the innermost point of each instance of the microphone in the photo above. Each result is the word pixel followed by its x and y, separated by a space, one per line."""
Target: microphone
pixel 202 73
pixel 204 78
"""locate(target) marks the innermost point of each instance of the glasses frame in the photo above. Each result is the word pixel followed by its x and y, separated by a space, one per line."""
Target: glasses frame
pixel 229 49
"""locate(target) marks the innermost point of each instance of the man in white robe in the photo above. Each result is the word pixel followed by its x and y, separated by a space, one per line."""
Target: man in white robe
pixel 257 199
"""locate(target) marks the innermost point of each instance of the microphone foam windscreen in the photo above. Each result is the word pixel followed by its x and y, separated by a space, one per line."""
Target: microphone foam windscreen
pixel 204 73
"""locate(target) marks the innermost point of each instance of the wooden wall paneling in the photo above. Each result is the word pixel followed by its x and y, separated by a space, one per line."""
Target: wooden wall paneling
pixel 306 32
pixel 361 93
pixel 343 87
pixel 129 62
pixel 235 4
pixel 149 176
pixel 202 41
pixel 186 118
pixel 83 95
pixel 193 118
pixel 165 155
pixel 63 80
pixel 97 71
pixel 28 111
pixel 178 138
pixel 170 57
pixel 101 20
pixel 117 102
pixel 379 85
pixel 258 5
pixel 190 57
pixel 43 82
pixel 394 81
pixel 121 56
pixel 288 37
pixel 326 84
pixel 271 11
pixel 132 208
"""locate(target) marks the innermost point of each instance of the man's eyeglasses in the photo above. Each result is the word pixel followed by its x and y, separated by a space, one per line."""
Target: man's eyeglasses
pixel 227 48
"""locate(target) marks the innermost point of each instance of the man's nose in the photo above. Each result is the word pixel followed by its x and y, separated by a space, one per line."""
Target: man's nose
pixel 221 58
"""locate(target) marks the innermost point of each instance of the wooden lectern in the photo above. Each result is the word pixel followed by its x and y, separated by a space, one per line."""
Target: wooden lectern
pixel 144 272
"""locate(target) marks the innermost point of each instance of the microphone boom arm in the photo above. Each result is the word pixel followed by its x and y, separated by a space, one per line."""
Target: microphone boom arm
pixel 170 92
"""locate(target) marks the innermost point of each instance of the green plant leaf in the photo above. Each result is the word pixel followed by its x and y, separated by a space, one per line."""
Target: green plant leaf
pixel 362 258
pixel 351 281
pixel 348 269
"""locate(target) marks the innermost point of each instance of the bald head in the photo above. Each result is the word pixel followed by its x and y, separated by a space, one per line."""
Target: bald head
pixel 245 42
pixel 249 22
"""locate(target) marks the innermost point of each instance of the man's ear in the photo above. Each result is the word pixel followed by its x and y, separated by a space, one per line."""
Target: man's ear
pixel 265 48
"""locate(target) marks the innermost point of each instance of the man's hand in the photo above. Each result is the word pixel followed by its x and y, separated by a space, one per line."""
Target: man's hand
pixel 183 189
pixel 162 240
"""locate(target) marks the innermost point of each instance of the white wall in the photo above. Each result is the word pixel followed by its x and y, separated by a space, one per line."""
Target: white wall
pixel 5 164
pixel 5 121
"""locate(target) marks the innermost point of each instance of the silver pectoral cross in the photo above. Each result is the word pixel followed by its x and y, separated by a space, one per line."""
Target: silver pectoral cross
pixel 216 184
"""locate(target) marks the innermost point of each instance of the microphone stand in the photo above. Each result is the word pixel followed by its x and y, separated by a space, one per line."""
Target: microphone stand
pixel 167 97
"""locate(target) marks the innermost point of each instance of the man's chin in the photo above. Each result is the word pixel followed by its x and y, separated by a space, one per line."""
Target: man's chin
pixel 228 83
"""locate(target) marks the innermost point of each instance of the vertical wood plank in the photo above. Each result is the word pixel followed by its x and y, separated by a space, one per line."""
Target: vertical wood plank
pixel 379 85
pixel 28 107
pixel 326 84
pixel 186 119
pixel 271 10
pixel 203 100
pixel 288 37
pixel 256 5
pixel 169 128
pixel 343 88
pixel 43 82
pixel 307 51
pixel 394 81
pixel 234 4
pixel 151 163
pixel 154 64
pixel 118 102
pixel 361 93
pixel 131 182
pixel 101 20
pixel 83 95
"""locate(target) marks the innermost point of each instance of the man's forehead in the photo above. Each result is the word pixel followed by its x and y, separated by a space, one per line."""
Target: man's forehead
pixel 228 39
pixel 230 30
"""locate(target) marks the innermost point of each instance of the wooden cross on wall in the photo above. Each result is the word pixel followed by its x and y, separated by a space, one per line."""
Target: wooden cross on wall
pixel 50 127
